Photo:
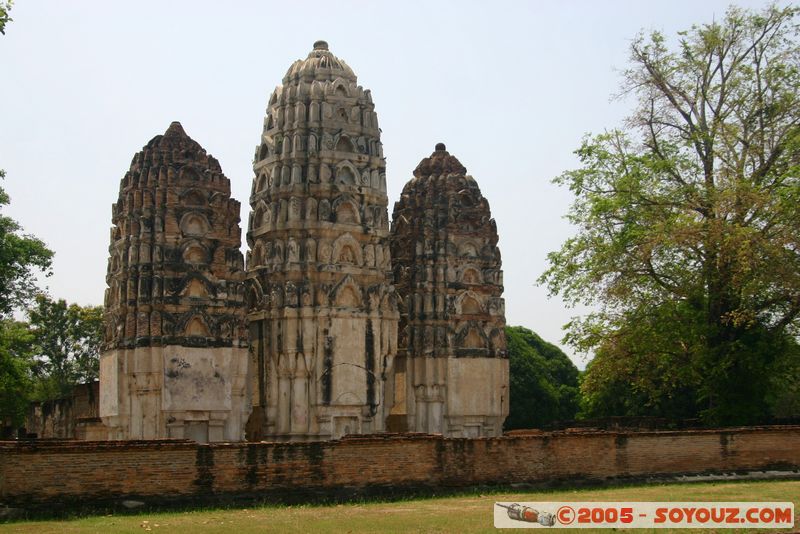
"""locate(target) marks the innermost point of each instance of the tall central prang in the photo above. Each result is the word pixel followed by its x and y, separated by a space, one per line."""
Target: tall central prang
pixel 323 314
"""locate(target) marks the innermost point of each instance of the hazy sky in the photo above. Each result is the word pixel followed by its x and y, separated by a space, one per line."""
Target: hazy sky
pixel 510 87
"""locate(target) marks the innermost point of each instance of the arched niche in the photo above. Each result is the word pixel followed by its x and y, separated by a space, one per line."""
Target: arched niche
pixel 470 275
pixel 468 249
pixel 189 173
pixel 347 294
pixel 263 214
pixel 262 182
pixel 196 327
pixel 470 306
pixel 257 258
pixel 339 87
pixel 498 340
pixel 193 197
pixel 346 173
pixel 469 336
pixel 346 255
pixel 346 212
pixel 468 303
pixel 195 253
pixel 254 295
pixel 194 224
pixel 344 144
pixel 346 250
pixel 195 288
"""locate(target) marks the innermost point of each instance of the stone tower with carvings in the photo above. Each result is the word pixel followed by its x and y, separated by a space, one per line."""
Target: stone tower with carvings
pixel 175 361
pixel 322 312
pixel 452 366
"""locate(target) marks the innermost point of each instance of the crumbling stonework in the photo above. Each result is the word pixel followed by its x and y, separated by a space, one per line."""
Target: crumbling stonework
pixel 175 361
pixel 452 366
pixel 322 312
pixel 72 417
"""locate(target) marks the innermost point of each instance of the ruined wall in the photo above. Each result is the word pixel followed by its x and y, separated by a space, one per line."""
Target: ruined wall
pixel 322 311
pixel 36 474
pixel 175 356
pixel 65 418
pixel 452 368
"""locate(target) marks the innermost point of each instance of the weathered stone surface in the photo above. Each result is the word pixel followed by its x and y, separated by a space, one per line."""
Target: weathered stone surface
pixel 452 367
pixel 175 361
pixel 322 312
pixel 72 417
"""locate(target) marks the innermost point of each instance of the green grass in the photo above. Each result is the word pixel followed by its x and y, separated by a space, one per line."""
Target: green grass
pixel 462 513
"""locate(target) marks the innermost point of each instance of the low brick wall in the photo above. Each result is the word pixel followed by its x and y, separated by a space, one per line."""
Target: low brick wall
pixel 44 474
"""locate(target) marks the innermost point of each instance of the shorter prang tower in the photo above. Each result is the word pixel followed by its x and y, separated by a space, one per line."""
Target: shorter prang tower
pixel 451 373
pixel 175 361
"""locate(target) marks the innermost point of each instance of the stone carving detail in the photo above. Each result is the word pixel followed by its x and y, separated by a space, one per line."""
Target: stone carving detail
pixel 447 272
pixel 346 345
pixel 176 287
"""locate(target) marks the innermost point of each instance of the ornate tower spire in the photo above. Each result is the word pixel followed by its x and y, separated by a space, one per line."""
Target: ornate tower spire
pixel 175 357
pixel 452 355
pixel 323 316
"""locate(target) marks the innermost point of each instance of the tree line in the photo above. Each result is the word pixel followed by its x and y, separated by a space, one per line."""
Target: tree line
pixel 56 346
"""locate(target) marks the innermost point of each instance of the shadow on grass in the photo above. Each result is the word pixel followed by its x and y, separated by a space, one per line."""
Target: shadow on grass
pixel 133 505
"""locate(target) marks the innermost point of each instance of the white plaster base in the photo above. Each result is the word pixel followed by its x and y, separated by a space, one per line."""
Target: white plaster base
pixel 175 392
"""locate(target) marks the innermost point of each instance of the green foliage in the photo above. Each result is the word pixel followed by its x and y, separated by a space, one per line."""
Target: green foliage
pixel 784 392
pixel 20 256
pixel 15 367
pixel 543 381
pixel 689 227
pixel 67 341
pixel 5 7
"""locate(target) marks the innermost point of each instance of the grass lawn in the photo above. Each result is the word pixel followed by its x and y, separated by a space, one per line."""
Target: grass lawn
pixel 464 513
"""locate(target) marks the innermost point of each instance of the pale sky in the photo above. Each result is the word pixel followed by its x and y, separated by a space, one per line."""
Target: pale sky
pixel 509 87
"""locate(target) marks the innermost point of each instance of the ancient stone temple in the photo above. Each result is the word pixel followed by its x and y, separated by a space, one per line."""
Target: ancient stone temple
pixel 452 362
pixel 175 362
pixel 322 312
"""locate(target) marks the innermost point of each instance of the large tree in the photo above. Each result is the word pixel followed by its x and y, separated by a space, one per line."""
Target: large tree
pixel 544 381
pixel 688 218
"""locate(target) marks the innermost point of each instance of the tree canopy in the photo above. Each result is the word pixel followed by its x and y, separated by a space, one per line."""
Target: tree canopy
pixel 21 256
pixel 543 381
pixel 15 370
pixel 66 345
pixel 688 243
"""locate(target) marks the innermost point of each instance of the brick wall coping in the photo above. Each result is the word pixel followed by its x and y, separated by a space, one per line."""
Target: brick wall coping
pixel 55 445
